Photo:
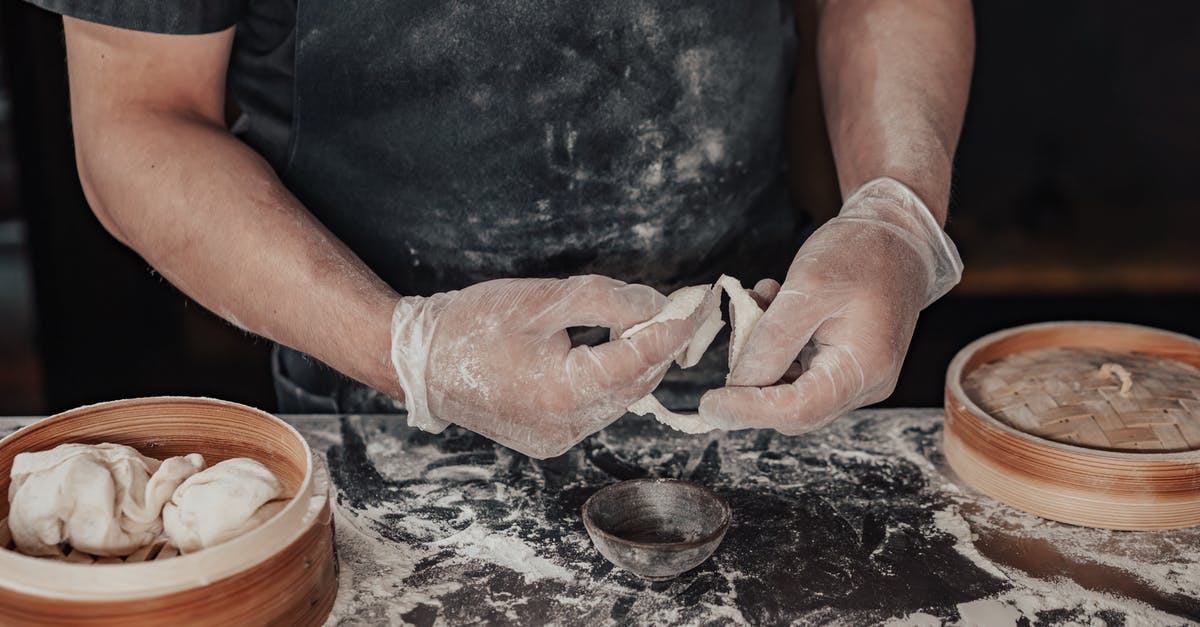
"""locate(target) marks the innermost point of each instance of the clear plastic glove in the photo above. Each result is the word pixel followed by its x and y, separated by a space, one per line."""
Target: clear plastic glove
pixel 495 358
pixel 835 334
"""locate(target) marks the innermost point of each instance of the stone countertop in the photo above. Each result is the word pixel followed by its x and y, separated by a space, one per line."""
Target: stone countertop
pixel 860 523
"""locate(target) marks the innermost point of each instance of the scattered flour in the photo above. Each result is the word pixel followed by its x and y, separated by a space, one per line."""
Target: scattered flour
pixel 988 612
pixel 452 523
pixel 949 521
pixel 370 568
pixel 477 542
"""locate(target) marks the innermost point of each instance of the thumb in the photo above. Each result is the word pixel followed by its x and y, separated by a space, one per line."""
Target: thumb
pixel 764 292
pixel 777 339
pixel 598 301
pixel 630 361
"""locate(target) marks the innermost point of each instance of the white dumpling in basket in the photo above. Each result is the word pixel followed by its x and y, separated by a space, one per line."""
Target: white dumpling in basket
pixel 102 499
pixel 221 503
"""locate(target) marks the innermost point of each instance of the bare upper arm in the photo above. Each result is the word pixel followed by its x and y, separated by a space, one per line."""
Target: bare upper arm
pixel 114 72
pixel 128 87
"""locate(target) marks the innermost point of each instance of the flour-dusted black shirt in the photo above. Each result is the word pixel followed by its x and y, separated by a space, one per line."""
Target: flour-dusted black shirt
pixel 450 142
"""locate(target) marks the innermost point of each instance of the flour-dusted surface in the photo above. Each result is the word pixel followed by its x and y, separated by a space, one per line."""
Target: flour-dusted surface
pixel 857 524
pixel 854 525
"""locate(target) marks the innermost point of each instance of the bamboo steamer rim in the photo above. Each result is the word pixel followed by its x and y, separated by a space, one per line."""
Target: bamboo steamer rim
pixel 114 582
pixel 957 371
pixel 1109 489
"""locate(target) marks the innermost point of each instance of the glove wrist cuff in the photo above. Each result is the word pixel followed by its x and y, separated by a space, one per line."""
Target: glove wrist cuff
pixel 413 322
pixel 905 211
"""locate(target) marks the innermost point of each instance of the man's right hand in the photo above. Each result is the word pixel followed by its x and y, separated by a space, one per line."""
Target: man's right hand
pixel 495 358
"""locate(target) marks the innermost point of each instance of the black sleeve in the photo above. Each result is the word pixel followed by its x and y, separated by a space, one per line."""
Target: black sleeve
pixel 174 17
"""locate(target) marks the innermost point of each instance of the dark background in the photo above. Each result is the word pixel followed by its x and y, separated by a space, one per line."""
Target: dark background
pixel 1077 196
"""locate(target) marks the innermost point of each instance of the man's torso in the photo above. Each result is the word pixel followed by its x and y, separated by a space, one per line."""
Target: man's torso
pixel 449 143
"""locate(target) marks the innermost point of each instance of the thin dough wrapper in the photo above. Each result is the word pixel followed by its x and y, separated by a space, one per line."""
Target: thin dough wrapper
pixel 744 314
pixel 220 504
pixel 681 304
pixel 102 499
pixel 687 423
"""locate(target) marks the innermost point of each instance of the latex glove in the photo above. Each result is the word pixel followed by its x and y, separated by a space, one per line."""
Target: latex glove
pixel 495 358
pixel 846 312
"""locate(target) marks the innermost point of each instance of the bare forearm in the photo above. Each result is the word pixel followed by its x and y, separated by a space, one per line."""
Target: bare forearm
pixel 210 215
pixel 894 80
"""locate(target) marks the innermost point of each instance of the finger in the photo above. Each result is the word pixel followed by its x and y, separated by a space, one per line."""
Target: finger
pixel 777 339
pixel 630 362
pixel 555 438
pixel 833 386
pixel 807 354
pixel 599 301
pixel 765 291
pixel 795 369
pixel 804 361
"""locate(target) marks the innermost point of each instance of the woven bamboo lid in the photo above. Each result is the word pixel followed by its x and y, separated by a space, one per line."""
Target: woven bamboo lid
pixel 1090 423
pixel 1096 398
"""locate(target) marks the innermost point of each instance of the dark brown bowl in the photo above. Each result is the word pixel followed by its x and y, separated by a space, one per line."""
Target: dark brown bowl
pixel 656 528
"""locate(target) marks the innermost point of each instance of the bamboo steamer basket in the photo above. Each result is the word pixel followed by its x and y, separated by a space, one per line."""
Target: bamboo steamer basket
pixel 1082 449
pixel 281 573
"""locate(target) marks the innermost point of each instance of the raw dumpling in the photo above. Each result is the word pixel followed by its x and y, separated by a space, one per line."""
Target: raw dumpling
pixel 220 504
pixel 102 499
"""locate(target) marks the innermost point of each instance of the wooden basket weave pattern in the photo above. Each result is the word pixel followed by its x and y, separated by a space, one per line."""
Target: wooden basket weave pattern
pixel 1073 396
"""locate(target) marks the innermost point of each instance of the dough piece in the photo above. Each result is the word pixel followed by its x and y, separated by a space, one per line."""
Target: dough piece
pixel 687 423
pixel 1118 372
pixel 220 504
pixel 744 314
pixel 681 304
pixel 705 335
pixel 103 499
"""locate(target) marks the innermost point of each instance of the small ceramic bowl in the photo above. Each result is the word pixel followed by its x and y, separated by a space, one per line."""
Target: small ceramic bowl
pixel 656 528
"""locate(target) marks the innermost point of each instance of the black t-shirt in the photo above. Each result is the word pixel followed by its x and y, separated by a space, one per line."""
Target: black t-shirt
pixel 449 142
